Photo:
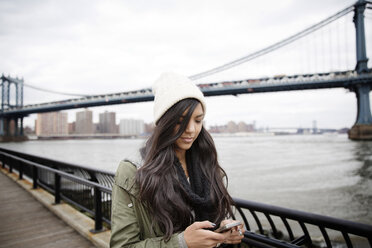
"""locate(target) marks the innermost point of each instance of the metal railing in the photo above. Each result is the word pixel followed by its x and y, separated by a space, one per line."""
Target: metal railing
pixel 84 188
pixel 301 228
pixel 90 191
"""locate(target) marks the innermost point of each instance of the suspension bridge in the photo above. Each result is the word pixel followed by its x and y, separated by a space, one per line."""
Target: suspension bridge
pixel 356 77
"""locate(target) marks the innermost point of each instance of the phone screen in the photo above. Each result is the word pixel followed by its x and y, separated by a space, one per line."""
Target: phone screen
pixel 227 227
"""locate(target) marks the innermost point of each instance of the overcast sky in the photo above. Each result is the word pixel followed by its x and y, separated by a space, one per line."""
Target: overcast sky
pixel 97 47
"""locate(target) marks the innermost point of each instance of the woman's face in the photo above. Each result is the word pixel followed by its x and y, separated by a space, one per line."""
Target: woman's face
pixel 185 141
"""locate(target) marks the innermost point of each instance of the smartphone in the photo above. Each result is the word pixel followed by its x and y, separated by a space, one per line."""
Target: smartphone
pixel 227 227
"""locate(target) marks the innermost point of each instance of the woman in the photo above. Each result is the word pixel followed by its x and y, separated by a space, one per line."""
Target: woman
pixel 179 192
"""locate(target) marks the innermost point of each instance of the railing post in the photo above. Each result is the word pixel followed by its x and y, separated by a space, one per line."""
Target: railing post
pixel 57 188
pixel 10 167
pixel 2 161
pixel 34 177
pixel 97 210
pixel 20 170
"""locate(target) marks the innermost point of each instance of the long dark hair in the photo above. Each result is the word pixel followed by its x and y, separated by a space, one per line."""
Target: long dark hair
pixel 160 189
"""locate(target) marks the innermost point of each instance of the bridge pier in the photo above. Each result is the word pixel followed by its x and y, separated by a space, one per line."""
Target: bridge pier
pixel 11 127
pixel 362 129
pixel 11 130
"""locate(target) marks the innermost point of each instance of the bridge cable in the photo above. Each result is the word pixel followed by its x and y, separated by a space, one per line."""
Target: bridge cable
pixel 16 80
pixel 274 46
pixel 53 91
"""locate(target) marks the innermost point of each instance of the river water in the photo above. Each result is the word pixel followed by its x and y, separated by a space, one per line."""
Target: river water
pixel 325 174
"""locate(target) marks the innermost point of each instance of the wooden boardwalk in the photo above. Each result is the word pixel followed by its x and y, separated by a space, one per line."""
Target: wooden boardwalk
pixel 24 222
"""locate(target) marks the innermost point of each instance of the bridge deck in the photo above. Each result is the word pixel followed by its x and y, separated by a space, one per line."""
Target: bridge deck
pixel 27 223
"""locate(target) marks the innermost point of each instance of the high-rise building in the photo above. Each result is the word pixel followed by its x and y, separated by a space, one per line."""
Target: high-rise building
pixel 107 122
pixel 84 122
pixel 244 127
pixel 96 128
pixel 71 128
pixel 149 128
pixel 53 123
pixel 232 127
pixel 131 127
pixel 315 127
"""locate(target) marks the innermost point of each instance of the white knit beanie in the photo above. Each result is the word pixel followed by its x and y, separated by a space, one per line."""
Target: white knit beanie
pixel 171 88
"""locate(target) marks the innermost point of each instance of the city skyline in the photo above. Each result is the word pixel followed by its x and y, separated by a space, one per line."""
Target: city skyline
pixel 57 124
pixel 72 119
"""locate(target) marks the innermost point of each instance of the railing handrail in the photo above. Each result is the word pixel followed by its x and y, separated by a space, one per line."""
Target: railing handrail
pixel 78 166
pixel 61 173
pixel 311 218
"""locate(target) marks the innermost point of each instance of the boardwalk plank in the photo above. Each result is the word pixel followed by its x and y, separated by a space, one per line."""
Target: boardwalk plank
pixel 27 223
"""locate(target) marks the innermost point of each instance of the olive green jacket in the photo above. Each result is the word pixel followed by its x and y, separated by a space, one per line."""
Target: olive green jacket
pixel 131 224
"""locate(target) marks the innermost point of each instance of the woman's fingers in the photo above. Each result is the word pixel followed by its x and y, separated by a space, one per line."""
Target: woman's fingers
pixel 236 235
pixel 195 235
pixel 202 224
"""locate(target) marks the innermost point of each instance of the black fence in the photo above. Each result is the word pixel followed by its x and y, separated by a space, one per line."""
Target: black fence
pixel 89 190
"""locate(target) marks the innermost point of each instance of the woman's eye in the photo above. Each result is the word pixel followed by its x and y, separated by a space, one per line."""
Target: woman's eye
pixel 198 121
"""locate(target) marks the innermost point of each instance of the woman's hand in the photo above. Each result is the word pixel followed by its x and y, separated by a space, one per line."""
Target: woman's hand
pixel 195 236
pixel 235 235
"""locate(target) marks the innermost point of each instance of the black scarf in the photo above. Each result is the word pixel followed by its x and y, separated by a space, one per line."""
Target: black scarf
pixel 197 191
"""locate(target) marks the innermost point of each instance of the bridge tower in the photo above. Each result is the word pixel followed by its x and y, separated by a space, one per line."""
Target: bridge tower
pixel 11 128
pixel 362 129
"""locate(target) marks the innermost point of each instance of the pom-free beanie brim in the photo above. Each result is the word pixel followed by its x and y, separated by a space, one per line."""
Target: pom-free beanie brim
pixel 171 88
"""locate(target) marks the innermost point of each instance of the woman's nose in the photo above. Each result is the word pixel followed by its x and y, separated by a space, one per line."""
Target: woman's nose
pixel 190 127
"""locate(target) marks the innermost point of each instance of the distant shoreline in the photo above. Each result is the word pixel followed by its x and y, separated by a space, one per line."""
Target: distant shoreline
pixel 85 136
pixel 120 136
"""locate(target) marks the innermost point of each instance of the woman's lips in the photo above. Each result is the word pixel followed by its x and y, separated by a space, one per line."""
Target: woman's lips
pixel 187 139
